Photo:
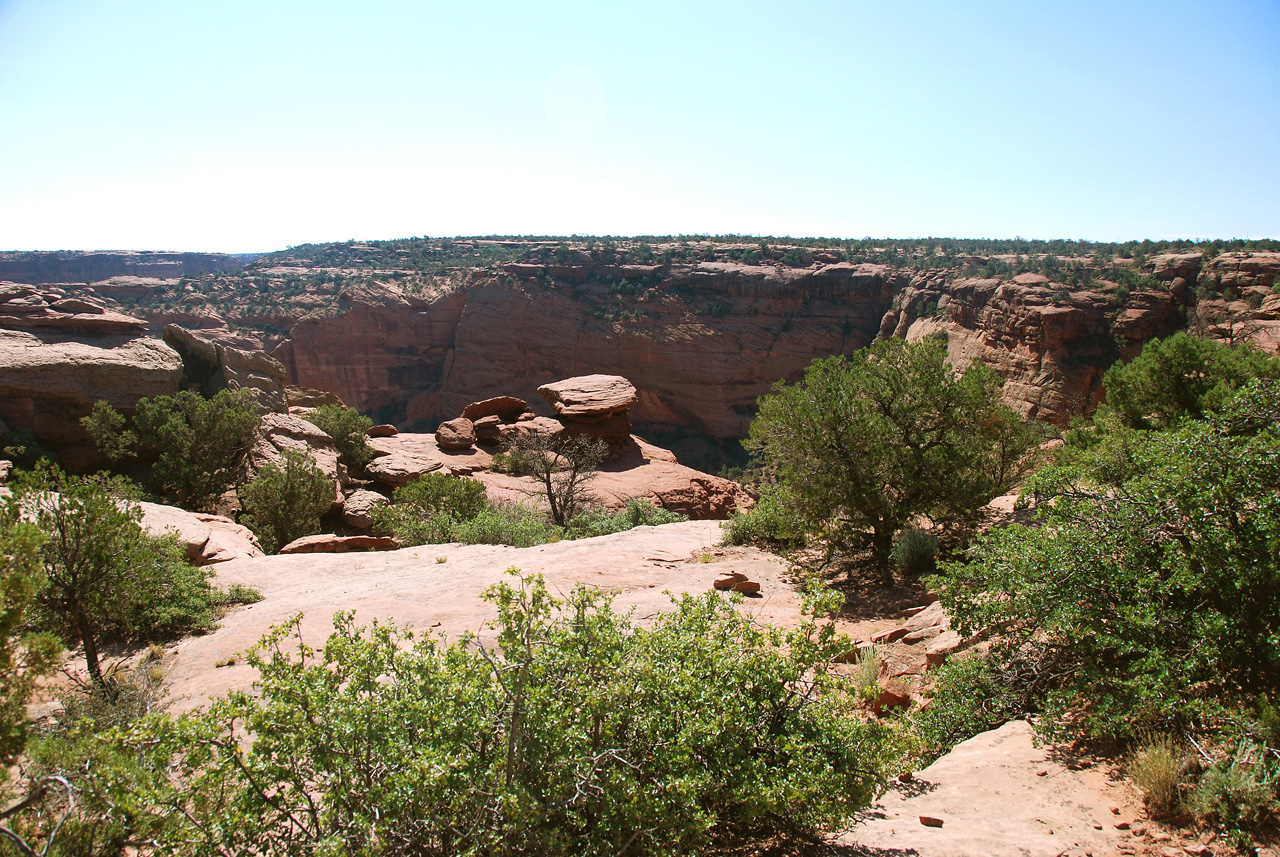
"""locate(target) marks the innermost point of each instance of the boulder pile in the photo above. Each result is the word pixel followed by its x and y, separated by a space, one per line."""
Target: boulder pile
pixel 588 405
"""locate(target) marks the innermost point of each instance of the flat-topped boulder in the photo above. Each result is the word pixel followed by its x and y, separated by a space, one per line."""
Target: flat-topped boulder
pixel 401 468
pixel 590 396
pixel 506 408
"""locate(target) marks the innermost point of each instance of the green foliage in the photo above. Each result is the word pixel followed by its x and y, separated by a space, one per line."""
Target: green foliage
pixel 578 734
pixel 774 520
pixel 866 444
pixel 19 446
pixel 286 503
pixel 915 551
pixel 347 428
pixel 429 509
pixel 637 513
pixel 24 657
pixel 1182 377
pixel 199 444
pixel 238 593
pixel 119 789
pixel 108 430
pixel 103 577
pixel 1239 794
pixel 1149 592
pixel 969 695
pixel 506 524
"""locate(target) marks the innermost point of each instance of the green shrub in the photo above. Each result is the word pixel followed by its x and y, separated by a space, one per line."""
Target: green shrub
pixel 347 427
pixel 284 504
pixel 969 696
pixel 915 551
pixel 507 524
pixel 429 510
pixel 866 675
pixel 1239 795
pixel 103 577
pixel 774 520
pixel 578 733
pixel 869 442
pixel 1150 591
pixel 199 444
pixel 1182 377
pixel 637 513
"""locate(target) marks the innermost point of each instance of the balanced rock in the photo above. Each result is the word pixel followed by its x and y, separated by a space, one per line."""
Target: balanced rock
pixel 458 433
pixel 359 505
pixel 505 408
pixel 590 396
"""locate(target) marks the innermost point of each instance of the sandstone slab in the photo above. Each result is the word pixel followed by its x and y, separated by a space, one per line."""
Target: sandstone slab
pixel 329 543
pixel 992 803
pixel 400 468
pixel 207 539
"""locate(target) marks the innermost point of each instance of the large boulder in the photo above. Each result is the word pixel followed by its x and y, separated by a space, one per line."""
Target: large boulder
pixel 278 432
pixel 456 434
pixel 48 381
pixel 506 408
pixel 590 396
pixel 214 366
pixel 206 539
pixel 400 468
pixel 357 508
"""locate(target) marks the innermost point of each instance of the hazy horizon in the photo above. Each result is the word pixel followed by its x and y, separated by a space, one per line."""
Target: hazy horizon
pixel 247 128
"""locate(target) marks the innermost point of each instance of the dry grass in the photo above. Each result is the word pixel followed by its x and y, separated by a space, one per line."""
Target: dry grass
pixel 1159 767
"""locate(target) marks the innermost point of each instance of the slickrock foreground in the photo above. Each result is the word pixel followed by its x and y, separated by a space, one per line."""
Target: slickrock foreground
pixel 997 795
pixel 412 586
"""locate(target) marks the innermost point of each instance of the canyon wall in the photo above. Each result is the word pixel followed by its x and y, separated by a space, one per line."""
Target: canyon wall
pixel 703 341
pixel 90 267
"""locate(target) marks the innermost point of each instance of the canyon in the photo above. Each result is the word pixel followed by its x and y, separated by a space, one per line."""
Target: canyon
pixel 701 329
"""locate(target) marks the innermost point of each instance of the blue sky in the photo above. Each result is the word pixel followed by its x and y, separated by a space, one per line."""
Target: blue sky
pixel 248 126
